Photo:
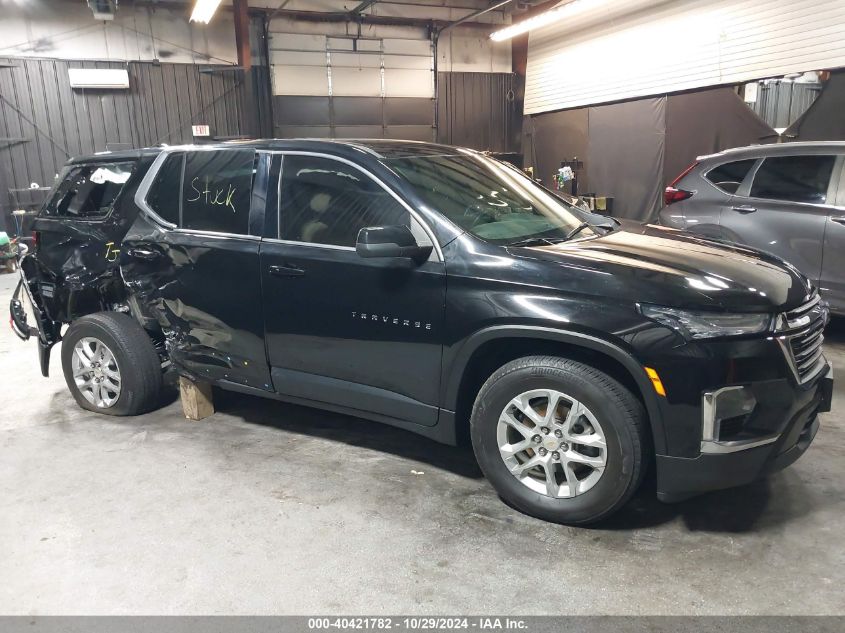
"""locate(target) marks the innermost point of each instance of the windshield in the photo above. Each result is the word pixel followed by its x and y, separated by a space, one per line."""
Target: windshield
pixel 491 200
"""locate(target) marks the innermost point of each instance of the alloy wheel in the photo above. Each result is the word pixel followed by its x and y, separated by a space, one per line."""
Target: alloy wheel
pixel 552 443
pixel 95 372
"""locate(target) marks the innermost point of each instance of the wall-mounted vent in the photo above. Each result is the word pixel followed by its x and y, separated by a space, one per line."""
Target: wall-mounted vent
pixel 99 78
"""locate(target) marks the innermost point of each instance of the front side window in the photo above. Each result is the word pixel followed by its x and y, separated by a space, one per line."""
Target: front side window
pixel 217 191
pixel 488 199
pixel 324 201
pixel 89 191
pixel 793 178
pixel 729 177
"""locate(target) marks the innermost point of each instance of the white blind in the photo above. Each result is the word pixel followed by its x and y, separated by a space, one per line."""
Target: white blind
pixel 629 48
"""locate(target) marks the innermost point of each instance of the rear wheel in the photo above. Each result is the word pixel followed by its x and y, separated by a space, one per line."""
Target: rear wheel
pixel 558 439
pixel 110 365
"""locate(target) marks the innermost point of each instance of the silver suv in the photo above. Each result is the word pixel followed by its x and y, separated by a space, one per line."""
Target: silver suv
pixel 787 199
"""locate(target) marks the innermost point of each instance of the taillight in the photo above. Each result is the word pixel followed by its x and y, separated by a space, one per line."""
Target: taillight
pixel 36 237
pixel 672 193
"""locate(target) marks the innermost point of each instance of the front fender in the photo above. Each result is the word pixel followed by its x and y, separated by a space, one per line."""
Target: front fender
pixel 451 384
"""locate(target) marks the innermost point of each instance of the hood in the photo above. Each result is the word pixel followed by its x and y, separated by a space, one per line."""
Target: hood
pixel 653 264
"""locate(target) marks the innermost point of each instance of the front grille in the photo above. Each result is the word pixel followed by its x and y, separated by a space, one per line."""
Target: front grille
pixel 805 335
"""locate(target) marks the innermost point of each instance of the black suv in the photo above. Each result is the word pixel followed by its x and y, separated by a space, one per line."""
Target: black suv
pixel 438 290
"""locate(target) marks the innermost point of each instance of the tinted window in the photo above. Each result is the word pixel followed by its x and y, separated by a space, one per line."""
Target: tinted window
pixel 216 191
pixel 729 177
pixel 491 200
pixel 89 191
pixel 163 197
pixel 793 178
pixel 324 201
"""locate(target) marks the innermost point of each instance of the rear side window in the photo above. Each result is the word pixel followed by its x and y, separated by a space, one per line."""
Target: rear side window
pixel 217 191
pixel 793 178
pixel 729 177
pixel 165 192
pixel 89 191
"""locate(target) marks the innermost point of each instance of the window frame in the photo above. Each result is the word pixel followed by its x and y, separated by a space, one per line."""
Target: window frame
pixel 90 218
pixel 831 185
pixel 160 219
pixel 436 253
pixel 744 185
pixel 152 174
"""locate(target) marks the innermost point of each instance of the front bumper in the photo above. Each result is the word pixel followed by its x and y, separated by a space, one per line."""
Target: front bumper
pixel 679 478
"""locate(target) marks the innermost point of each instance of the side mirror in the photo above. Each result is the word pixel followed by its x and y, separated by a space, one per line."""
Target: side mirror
pixel 390 241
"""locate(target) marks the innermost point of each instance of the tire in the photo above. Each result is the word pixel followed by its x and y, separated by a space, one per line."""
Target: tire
pixel 136 364
pixel 610 415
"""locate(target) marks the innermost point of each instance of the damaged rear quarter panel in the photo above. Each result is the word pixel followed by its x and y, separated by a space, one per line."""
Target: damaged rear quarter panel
pixel 78 259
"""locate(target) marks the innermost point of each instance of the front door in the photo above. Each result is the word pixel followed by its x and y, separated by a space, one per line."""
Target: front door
pixel 785 210
pixel 360 334
pixel 832 283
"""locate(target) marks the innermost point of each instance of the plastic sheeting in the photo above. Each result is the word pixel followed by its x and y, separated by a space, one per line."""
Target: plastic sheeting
pixel 824 120
pixel 633 149
pixel 554 137
pixel 626 146
pixel 705 122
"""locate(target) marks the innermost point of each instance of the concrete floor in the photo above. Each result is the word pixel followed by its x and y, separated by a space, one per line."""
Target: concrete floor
pixel 268 508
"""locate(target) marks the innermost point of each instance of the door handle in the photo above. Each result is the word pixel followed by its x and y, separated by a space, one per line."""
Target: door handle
pixel 745 208
pixel 838 219
pixel 142 253
pixel 286 271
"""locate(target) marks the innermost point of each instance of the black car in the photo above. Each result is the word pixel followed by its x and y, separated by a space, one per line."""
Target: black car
pixel 435 289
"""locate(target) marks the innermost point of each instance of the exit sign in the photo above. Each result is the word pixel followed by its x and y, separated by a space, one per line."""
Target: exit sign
pixel 200 130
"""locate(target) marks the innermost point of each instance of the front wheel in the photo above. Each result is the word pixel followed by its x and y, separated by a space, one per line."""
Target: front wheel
pixel 558 439
pixel 110 365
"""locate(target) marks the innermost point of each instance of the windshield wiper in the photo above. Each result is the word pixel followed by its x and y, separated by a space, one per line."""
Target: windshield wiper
pixel 577 230
pixel 546 241
pixel 538 241
pixel 604 225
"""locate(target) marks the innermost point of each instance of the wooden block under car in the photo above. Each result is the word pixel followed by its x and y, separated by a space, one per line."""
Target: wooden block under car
pixel 197 401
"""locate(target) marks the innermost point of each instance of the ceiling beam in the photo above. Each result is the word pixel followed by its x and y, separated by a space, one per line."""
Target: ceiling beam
pixel 366 4
pixel 322 16
pixel 241 9
pixel 473 15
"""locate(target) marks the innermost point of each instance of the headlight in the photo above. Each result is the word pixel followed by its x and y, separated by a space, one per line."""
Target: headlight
pixel 695 325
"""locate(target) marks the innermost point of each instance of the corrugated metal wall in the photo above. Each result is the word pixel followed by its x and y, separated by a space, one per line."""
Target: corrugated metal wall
pixel 635 48
pixel 780 103
pixel 43 121
pixel 477 110
pixel 169 98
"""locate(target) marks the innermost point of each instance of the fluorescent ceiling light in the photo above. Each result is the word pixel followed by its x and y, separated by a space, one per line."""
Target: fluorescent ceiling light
pixel 543 19
pixel 204 10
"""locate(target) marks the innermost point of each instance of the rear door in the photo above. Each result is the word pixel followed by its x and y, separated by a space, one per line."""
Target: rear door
pixel 717 196
pixel 784 210
pixel 191 261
